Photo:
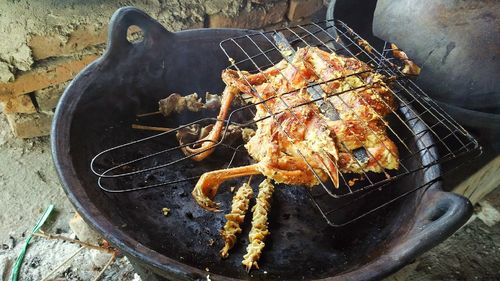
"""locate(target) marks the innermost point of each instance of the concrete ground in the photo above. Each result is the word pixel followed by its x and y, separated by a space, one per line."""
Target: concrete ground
pixel 29 184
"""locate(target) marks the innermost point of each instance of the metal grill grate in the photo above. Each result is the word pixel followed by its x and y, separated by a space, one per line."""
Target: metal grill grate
pixel 417 116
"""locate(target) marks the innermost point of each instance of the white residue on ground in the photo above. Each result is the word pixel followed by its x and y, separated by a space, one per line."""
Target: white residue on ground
pixel 43 256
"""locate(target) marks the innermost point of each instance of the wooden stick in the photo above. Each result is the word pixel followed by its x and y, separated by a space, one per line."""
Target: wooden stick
pixel 62 264
pixel 81 243
pixel 113 256
pixel 249 179
pixel 84 245
pixel 148 114
pixel 151 128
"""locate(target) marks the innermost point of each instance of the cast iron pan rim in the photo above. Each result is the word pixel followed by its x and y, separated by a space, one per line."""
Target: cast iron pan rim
pixel 73 188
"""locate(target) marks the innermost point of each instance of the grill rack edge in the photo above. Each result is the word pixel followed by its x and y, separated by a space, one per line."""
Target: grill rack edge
pixel 336 36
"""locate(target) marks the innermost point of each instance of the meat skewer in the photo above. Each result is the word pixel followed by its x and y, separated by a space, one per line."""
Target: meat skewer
pixel 239 208
pixel 209 142
pixel 259 230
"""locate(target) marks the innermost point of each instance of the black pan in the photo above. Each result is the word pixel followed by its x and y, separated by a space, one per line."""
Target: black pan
pixel 95 113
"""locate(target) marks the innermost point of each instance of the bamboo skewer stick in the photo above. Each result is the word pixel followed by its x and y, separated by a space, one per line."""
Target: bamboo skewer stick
pixel 81 243
pixel 83 246
pixel 148 114
pixel 46 278
pixel 151 128
pixel 110 261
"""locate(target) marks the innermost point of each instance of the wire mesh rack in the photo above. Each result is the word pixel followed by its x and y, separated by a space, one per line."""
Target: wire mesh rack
pixel 410 124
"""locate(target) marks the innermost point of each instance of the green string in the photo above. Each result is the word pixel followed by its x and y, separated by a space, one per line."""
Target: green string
pixel 20 258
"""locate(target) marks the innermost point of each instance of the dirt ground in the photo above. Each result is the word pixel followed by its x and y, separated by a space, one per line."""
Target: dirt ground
pixel 44 256
pixel 29 184
pixel 473 253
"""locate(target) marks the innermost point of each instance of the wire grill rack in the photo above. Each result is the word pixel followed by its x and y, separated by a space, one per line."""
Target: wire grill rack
pixel 416 118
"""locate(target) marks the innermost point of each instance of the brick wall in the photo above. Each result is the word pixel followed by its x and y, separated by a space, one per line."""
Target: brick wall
pixel 29 98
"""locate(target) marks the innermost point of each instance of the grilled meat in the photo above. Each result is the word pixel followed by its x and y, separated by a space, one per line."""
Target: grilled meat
pixel 294 142
pixel 259 230
pixel 239 208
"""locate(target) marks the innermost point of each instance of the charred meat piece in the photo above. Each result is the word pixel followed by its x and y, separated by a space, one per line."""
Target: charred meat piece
pixel 176 103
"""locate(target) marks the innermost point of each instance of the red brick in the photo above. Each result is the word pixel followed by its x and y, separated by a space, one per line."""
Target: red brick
pixel 303 8
pixel 45 46
pixel 17 104
pixel 29 125
pixel 47 98
pixel 45 76
pixel 256 18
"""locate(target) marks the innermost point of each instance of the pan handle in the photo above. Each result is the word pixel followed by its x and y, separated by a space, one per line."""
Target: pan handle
pixel 448 213
pixel 125 17
pixel 434 224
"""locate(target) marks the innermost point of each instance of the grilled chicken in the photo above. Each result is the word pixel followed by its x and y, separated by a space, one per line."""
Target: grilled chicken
pixel 294 142
pixel 364 147
pixel 297 141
